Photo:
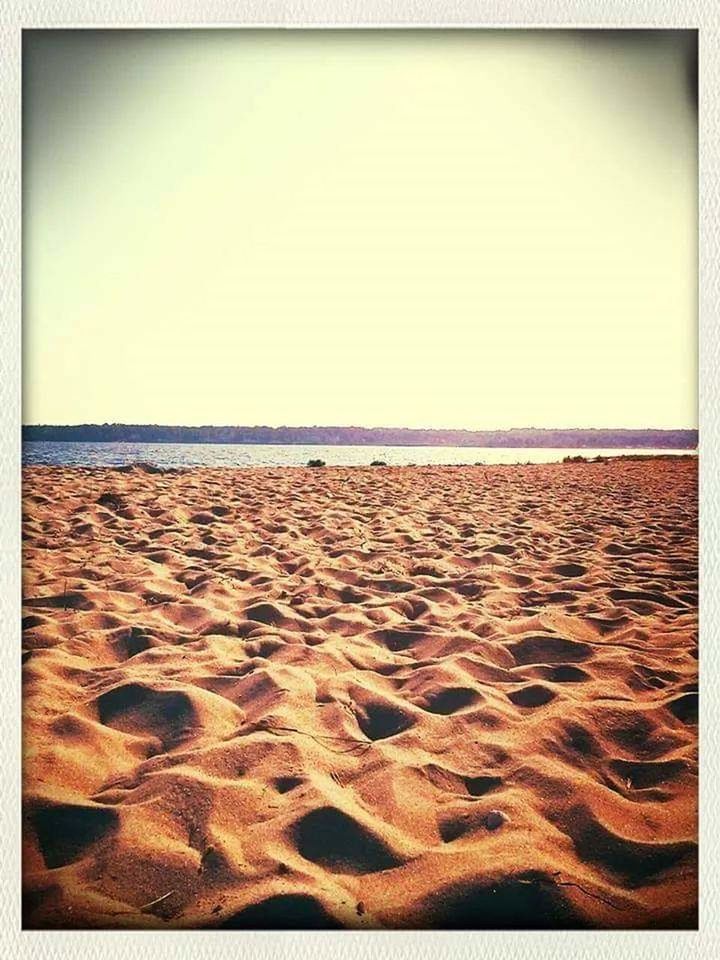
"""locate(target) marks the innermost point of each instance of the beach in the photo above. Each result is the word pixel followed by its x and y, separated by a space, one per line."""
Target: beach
pixel 367 697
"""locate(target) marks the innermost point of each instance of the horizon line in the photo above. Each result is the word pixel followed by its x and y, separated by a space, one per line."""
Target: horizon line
pixel 330 426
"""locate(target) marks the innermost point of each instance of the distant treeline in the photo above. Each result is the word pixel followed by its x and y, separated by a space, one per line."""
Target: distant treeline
pixel 380 436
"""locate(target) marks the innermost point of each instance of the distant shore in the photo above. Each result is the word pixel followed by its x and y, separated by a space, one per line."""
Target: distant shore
pixel 363 436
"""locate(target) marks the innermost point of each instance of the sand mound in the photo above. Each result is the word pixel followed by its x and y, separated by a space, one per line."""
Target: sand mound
pixel 409 697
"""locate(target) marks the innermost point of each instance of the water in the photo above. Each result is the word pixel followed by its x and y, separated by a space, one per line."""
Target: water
pixel 291 455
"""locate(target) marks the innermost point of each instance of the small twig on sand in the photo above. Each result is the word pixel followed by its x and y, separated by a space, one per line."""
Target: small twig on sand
pixel 356 744
pixel 569 883
pixel 146 907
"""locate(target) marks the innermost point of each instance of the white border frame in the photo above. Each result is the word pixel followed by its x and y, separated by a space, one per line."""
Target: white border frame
pixel 217 945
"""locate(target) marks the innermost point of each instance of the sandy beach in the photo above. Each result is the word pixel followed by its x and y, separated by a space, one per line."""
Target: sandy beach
pixel 412 697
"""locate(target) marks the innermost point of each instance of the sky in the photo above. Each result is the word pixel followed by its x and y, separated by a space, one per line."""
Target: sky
pixel 470 229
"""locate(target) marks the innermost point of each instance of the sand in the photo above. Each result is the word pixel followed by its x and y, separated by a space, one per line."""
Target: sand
pixel 402 697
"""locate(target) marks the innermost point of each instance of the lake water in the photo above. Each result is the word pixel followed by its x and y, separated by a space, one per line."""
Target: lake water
pixel 290 455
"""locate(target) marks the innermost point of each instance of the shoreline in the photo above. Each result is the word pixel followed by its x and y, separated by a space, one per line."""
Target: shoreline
pixel 149 467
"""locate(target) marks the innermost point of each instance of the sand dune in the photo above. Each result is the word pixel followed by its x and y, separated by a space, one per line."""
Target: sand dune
pixel 382 697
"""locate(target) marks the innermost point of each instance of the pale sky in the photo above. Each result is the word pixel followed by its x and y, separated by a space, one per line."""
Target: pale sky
pixel 478 229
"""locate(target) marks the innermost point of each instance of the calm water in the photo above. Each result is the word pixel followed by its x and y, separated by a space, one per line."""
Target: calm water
pixel 288 455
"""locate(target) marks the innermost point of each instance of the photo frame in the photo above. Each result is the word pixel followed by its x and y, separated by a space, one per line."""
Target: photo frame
pixel 260 944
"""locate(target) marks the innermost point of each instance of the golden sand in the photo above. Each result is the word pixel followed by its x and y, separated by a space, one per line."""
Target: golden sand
pixel 363 697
